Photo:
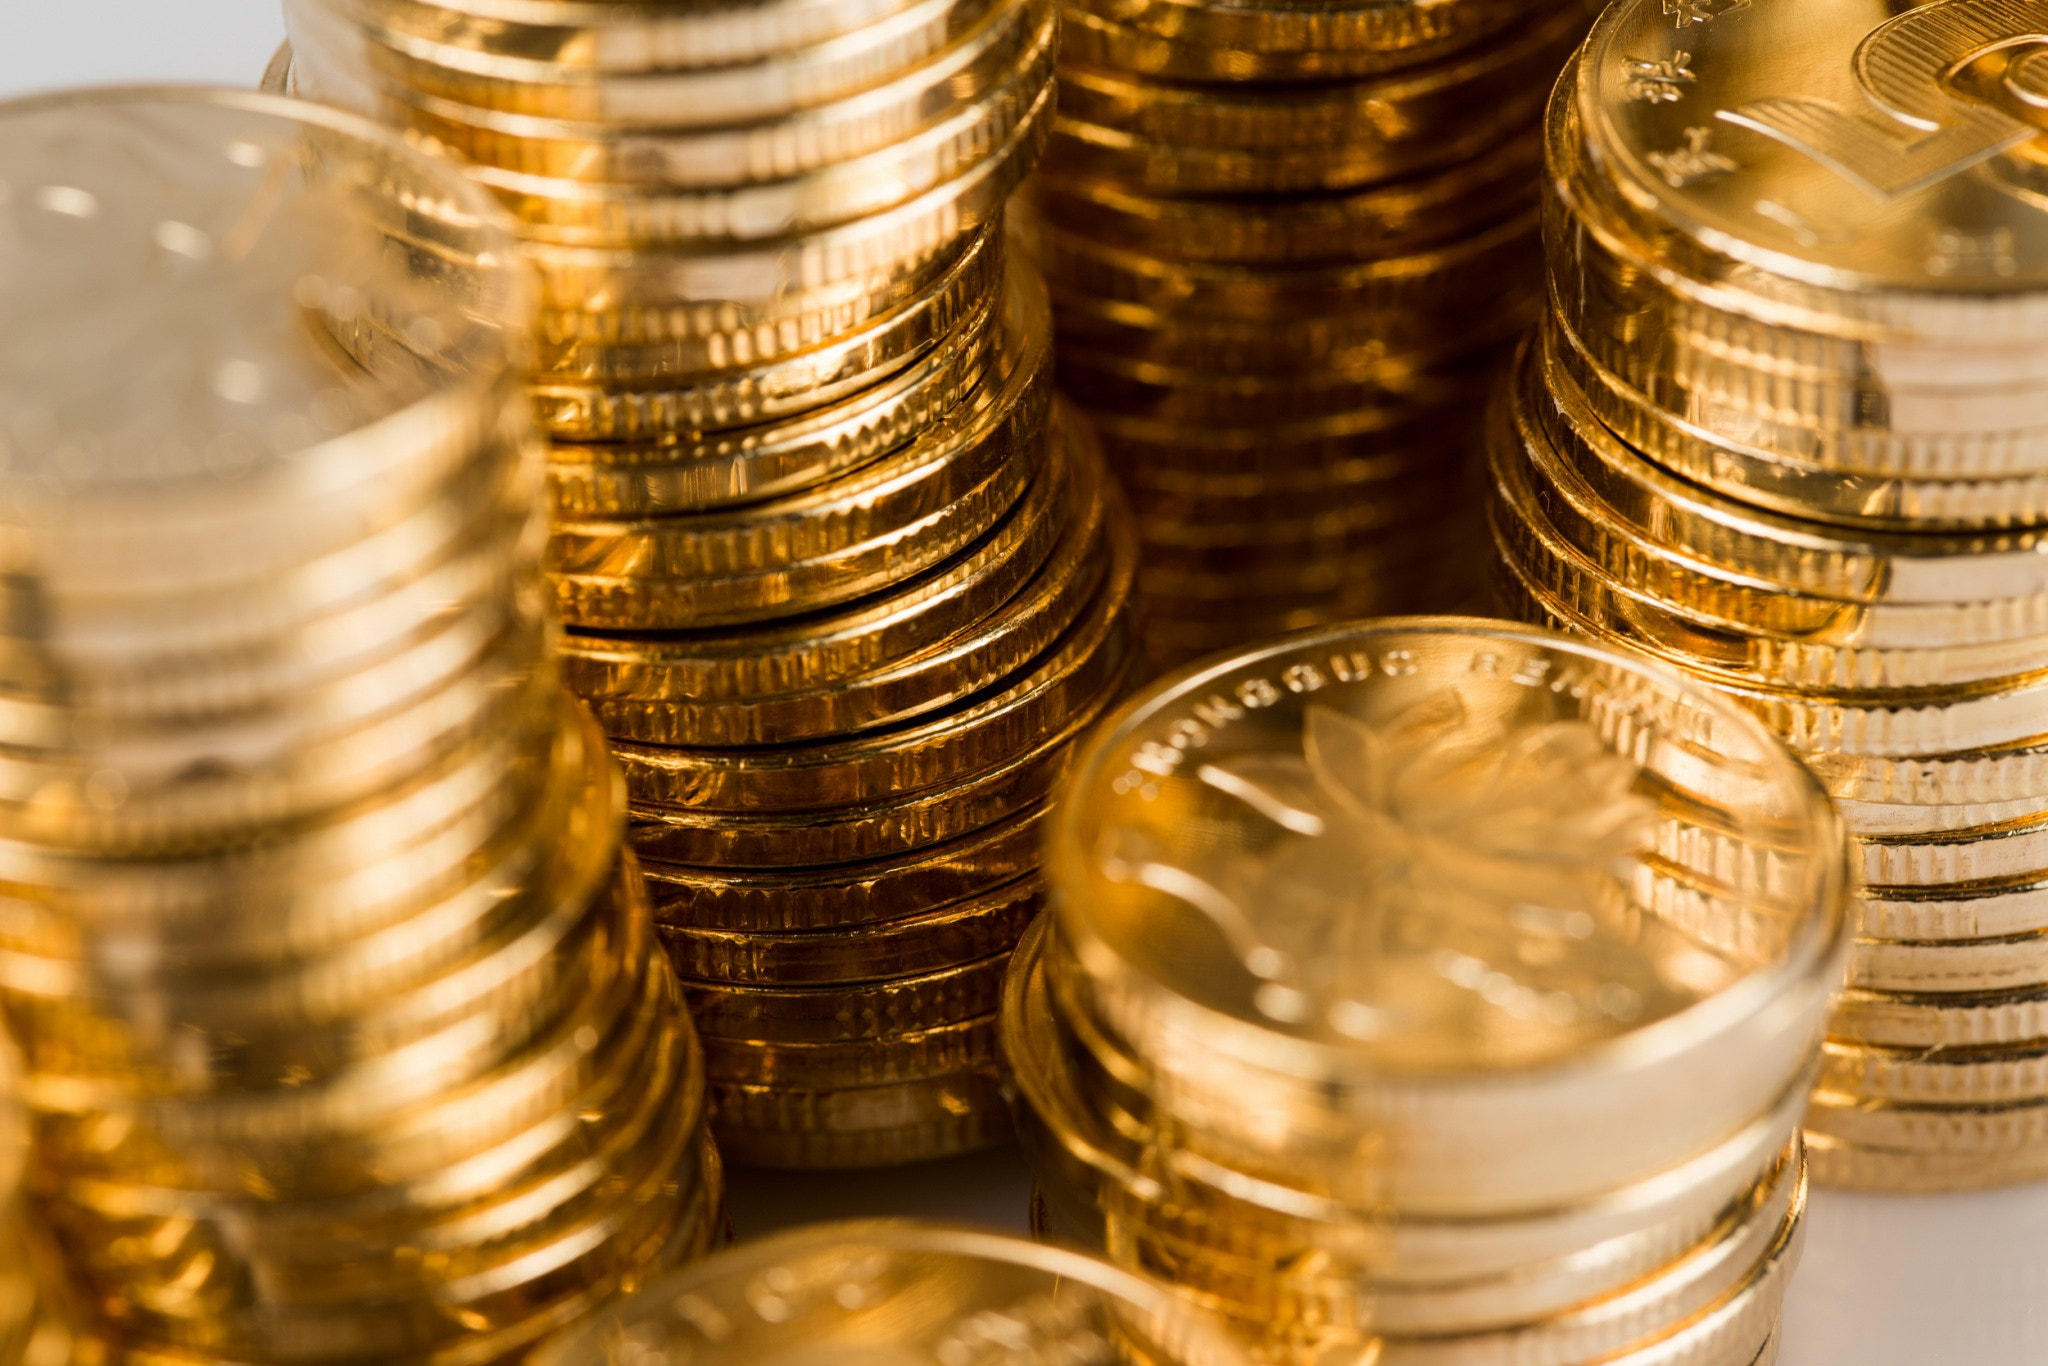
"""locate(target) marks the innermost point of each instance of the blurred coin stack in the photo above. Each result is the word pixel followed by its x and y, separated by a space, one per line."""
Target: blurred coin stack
pixel 1785 431
pixel 1286 243
pixel 1438 988
pixel 345 1034
pixel 843 582
pixel 887 1290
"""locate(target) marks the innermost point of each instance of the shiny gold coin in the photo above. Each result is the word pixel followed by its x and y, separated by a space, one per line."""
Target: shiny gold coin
pixel 698 386
pixel 866 1062
pixel 685 472
pixel 964 931
pixel 1236 138
pixel 878 526
pixel 857 1127
pixel 1245 750
pixel 796 899
pixel 1855 1166
pixel 576 33
pixel 945 749
pixel 1935 269
pixel 1155 39
pixel 1374 222
pixel 871 1013
pixel 1980 1127
pixel 2012 963
pixel 1006 601
pixel 1425 283
pixel 364 48
pixel 898 1287
pixel 800 142
pixel 225 483
pixel 1954 1076
pixel 1943 914
pixel 580 211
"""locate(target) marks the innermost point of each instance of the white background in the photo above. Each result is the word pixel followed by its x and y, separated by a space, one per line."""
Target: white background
pixel 1951 1281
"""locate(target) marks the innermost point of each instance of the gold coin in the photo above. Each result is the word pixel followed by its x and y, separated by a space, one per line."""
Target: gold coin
pixel 1941 914
pixel 865 1062
pixel 1787 636
pixel 1953 1076
pixel 682 472
pixel 1786 78
pixel 574 33
pixel 1244 752
pixel 1959 1020
pixel 900 1288
pixel 1858 565
pixel 797 143
pixel 1104 381
pixel 783 900
pixel 1981 1127
pixel 1154 39
pixel 869 1013
pixel 1434 283
pixel 1893 726
pixel 700 386
pixel 2012 963
pixel 970 662
pixel 1284 445
pixel 779 1127
pixel 942 750
pixel 648 396
pixel 751 284
pixel 878 526
pixel 965 931
pixel 1857 1166
pixel 1238 137
pixel 1373 222
pixel 585 212
pixel 223 480
pixel 798 680
pixel 366 50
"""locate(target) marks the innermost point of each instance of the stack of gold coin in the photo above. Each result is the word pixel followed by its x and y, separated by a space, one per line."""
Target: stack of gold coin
pixel 1784 431
pixel 842 581
pixel 1286 243
pixel 345 1033
pixel 887 1290
pixel 1438 988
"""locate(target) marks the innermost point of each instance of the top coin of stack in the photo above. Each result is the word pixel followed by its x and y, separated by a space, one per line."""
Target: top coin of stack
pixel 346 1037
pixel 1437 987
pixel 1286 243
pixel 842 582
pixel 1785 430
pixel 897 1291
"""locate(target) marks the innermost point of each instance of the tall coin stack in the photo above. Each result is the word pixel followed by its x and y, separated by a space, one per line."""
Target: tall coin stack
pixel 1785 431
pixel 1438 988
pixel 1286 243
pixel 898 1291
pixel 345 1033
pixel 843 583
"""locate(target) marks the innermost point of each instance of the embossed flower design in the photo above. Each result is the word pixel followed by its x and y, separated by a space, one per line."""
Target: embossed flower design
pixel 1433 863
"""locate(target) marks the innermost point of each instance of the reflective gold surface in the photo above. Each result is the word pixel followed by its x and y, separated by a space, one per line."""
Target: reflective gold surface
pixel 1780 431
